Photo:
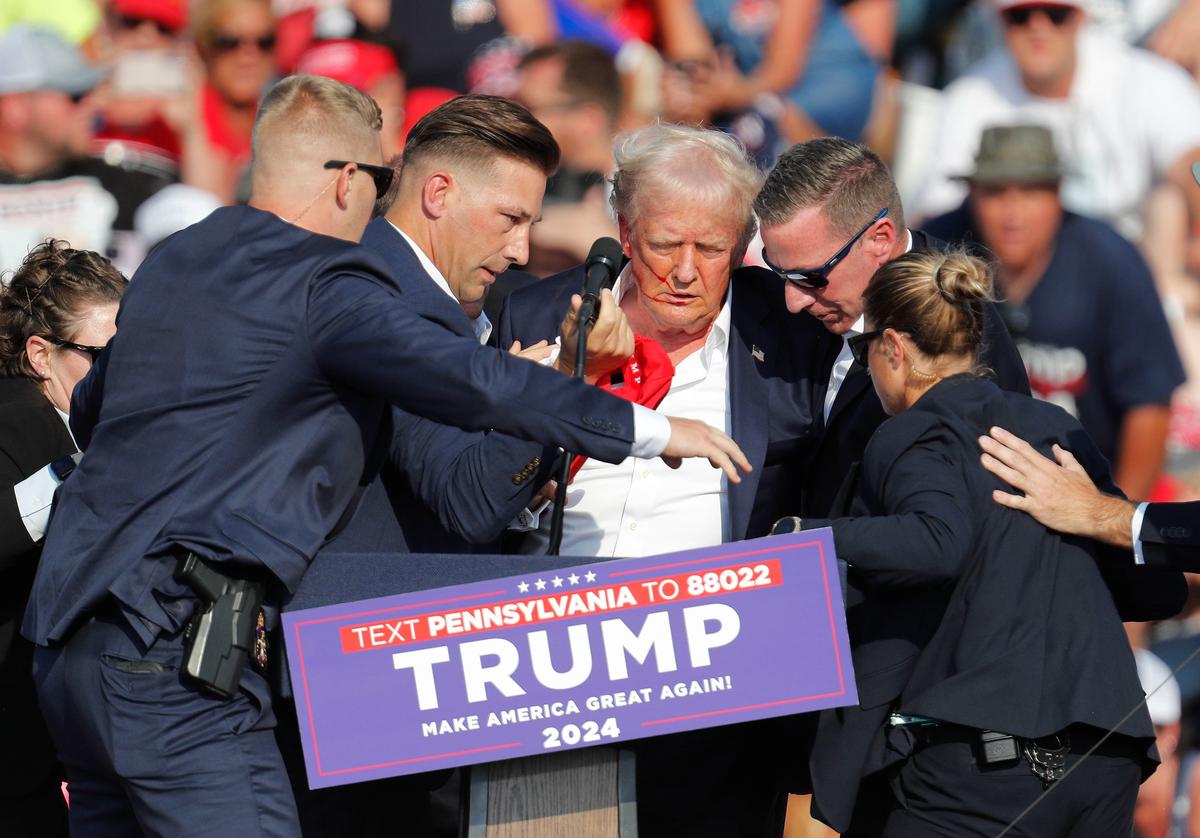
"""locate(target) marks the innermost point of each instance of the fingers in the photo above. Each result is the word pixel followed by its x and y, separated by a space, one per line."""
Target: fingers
pixel 515 349
pixel 1011 501
pixel 1067 460
pixel 1009 475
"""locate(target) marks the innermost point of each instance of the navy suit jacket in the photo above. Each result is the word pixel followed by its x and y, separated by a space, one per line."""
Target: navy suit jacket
pixel 976 614
pixel 441 489
pixel 244 404
pixel 772 388
pixel 1170 536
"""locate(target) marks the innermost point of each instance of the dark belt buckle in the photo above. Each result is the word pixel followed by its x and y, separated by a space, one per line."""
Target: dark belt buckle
pixel 1048 763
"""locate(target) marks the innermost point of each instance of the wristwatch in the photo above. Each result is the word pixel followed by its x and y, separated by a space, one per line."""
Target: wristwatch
pixel 64 465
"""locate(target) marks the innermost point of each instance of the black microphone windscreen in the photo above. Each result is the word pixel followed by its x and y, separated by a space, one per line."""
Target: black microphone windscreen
pixel 603 262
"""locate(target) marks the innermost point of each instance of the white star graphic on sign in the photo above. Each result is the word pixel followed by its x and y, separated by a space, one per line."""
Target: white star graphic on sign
pixel 573 579
pixel 589 576
pixel 541 584
pixel 523 587
pixel 557 580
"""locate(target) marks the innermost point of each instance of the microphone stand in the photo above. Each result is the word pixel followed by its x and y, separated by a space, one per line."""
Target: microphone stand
pixel 564 471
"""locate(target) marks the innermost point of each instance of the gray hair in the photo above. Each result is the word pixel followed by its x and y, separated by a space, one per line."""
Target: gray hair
pixel 847 180
pixel 704 164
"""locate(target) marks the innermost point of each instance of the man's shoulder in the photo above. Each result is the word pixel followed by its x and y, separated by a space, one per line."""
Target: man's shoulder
pixel 557 288
pixel 991 78
pixel 1105 254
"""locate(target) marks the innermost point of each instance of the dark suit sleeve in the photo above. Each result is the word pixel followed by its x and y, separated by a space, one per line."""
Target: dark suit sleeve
pixel 1170 536
pixel 1000 354
pixel 363 336
pixel 86 400
pixel 475 483
pixel 927 534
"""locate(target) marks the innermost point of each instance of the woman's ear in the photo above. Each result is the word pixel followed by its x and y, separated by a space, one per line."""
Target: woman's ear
pixel 37 350
pixel 893 347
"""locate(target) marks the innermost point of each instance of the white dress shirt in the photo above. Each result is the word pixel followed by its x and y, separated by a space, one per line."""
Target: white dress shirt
pixel 651 430
pixel 641 507
pixel 35 494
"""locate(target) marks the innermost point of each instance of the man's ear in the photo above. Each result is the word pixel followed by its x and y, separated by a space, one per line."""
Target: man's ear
pixel 437 193
pixel 623 232
pixel 881 240
pixel 346 183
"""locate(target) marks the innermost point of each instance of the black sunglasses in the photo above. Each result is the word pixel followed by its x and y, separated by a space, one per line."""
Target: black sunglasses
pixel 382 175
pixel 131 22
pixel 860 345
pixel 230 43
pixel 1058 15
pixel 92 351
pixel 814 278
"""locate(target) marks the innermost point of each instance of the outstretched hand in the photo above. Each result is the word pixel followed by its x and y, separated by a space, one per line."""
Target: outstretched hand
pixel 693 438
pixel 1059 495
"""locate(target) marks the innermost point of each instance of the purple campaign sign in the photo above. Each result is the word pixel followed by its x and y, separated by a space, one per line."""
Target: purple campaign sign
pixel 587 655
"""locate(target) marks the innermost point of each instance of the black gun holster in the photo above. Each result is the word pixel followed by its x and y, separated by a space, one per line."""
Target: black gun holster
pixel 224 633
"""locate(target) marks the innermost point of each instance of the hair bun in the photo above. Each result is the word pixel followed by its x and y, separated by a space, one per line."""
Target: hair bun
pixel 963 279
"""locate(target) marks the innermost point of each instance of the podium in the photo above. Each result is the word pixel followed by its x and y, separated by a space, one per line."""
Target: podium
pixel 587 793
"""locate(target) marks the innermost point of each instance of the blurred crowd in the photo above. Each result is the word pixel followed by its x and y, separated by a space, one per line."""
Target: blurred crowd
pixel 1058 137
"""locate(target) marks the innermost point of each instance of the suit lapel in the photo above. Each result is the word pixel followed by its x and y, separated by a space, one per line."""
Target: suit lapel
pixel 852 388
pixel 749 399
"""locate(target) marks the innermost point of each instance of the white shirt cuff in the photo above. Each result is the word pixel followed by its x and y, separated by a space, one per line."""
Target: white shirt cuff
pixel 1135 528
pixel 651 432
pixel 34 497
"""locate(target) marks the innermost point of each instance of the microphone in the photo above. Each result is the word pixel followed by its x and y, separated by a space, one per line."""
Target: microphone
pixel 603 262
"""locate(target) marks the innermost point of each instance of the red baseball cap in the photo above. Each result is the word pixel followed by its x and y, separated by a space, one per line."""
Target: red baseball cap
pixel 172 14
pixel 356 63
pixel 1005 5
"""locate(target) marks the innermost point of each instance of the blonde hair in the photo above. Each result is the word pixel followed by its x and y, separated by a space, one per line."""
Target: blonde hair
pixel 938 299
pixel 320 108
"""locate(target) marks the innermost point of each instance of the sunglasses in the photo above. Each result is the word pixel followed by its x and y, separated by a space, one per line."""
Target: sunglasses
pixel 128 22
pixel 1020 16
pixel 382 175
pixel 92 351
pixel 814 278
pixel 231 43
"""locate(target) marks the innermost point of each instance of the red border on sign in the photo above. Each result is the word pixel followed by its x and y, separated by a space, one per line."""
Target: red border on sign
pixel 708 560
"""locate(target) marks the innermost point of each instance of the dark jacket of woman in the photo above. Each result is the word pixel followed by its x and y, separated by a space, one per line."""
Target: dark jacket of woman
pixel 32 434
pixel 976 614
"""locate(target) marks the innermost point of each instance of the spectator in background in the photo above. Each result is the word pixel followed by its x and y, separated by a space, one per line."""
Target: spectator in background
pixel 47 188
pixel 372 68
pixel 1127 120
pixel 572 87
pixel 1155 815
pixel 236 41
pixel 1079 301
pixel 57 311
pixel 808 67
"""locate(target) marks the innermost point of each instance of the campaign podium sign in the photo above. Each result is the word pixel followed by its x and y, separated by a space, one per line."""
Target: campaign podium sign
pixel 548 661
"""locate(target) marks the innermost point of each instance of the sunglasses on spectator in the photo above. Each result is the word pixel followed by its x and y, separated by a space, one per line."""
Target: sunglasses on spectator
pixel 92 351
pixel 232 43
pixel 382 175
pixel 1058 15
pixel 128 22
pixel 815 278
pixel 860 345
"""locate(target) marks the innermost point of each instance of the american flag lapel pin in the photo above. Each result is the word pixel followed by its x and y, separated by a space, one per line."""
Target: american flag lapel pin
pixel 757 353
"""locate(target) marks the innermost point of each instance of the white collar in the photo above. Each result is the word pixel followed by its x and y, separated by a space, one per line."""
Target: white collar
pixel 480 325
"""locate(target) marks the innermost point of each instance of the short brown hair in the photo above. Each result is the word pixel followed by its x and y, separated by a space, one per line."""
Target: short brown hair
pixel 477 128
pixel 847 180
pixel 47 296
pixel 937 298
pixel 589 73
